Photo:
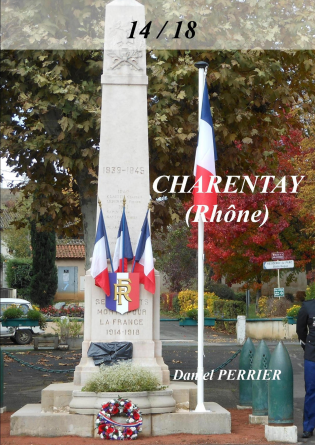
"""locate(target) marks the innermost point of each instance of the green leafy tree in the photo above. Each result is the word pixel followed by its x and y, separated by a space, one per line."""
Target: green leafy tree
pixel 51 120
pixel 177 261
pixel 18 242
pixel 17 235
pixel 44 281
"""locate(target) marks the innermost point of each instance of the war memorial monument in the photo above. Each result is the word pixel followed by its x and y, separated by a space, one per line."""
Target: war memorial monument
pixel 123 172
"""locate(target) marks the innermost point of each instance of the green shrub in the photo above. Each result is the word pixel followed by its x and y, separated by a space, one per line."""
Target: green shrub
pixel 75 328
pixel 193 313
pixel 221 290
pixel 293 311
pixel 310 292
pixel 24 293
pixel 188 299
pixel 19 274
pixel 12 312
pixel 122 377
pixel 240 296
pixel 289 296
pixel 229 309
pixel 67 328
pixel 33 314
pixel 44 282
pixel 176 305
pixel 273 307
pixel 210 303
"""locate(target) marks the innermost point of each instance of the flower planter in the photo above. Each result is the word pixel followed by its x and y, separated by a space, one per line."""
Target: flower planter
pixel 149 402
pixel 291 320
pixel 20 322
pixel 75 342
pixel 209 321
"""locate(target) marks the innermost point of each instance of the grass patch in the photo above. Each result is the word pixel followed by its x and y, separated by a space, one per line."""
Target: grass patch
pixel 252 311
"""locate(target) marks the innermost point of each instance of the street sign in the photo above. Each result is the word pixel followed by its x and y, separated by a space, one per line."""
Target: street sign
pixel 288 264
pixel 277 256
pixel 278 292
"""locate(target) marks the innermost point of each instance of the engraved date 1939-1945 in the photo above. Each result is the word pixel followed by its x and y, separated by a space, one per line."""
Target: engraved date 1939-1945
pixel 129 170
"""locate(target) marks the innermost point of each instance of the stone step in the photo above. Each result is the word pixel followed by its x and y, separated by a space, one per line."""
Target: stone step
pixel 31 421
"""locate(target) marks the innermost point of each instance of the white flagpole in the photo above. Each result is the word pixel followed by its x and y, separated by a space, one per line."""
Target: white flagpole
pixel 202 69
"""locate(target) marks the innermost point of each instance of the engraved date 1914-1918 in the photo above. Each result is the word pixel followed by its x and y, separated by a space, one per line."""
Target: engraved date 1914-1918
pixel 189 33
pixel 122 332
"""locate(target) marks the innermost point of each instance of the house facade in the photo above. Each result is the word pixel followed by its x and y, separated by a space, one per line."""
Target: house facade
pixel 70 262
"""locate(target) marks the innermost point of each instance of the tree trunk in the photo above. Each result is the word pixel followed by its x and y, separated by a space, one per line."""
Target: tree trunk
pixel 83 180
pixel 88 209
pixel 308 268
pixel 258 292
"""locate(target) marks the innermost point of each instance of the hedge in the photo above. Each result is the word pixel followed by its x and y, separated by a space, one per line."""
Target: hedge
pixel 229 308
pixel 221 290
pixel 18 275
pixel 188 300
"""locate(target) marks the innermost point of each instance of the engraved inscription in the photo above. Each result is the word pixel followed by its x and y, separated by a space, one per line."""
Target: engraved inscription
pixel 113 325
pixel 131 170
pixel 127 332
pixel 127 57
pixel 124 51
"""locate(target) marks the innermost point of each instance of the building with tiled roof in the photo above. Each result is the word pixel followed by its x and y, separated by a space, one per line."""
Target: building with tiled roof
pixel 6 216
pixel 70 262
pixel 70 248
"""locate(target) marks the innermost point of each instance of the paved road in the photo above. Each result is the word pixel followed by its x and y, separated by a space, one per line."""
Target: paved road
pixel 24 385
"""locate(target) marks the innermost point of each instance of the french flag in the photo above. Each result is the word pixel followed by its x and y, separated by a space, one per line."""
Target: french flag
pixel 123 250
pixel 143 262
pixel 206 155
pixel 99 267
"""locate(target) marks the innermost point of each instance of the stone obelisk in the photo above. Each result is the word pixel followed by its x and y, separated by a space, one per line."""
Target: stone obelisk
pixel 123 172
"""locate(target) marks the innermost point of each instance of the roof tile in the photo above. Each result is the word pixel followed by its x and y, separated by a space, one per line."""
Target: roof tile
pixel 70 249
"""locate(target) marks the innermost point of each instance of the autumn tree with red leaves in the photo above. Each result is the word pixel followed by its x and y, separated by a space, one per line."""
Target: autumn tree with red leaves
pixel 237 250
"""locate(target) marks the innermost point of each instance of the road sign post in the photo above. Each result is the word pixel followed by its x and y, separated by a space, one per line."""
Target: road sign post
pixel 278 292
pixel 278 264
pixel 286 264
pixel 247 301
pixel 277 256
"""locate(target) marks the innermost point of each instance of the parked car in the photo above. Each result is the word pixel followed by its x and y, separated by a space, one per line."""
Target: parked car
pixel 21 335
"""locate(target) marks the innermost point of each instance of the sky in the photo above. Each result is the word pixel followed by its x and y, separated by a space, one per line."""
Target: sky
pixel 8 176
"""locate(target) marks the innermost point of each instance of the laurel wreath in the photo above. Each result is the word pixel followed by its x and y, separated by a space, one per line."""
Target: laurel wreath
pixel 110 429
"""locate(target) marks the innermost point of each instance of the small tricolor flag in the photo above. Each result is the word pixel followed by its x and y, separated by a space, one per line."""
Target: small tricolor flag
pixel 143 262
pixel 206 155
pixel 99 267
pixel 123 250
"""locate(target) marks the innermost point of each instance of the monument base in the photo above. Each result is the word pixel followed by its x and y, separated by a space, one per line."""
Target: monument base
pixel 141 327
pixel 66 410
pixel 281 433
pixel 258 420
pixel 244 407
pixel 145 354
